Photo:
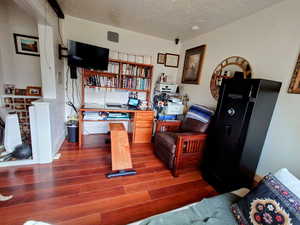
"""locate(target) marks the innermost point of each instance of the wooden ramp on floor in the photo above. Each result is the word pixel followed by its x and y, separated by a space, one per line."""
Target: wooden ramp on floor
pixel 120 151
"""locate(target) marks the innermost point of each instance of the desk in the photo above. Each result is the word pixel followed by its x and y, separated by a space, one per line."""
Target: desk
pixel 142 122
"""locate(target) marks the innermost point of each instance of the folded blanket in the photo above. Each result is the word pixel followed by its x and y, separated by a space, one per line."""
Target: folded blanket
pixel 200 112
pixel 211 211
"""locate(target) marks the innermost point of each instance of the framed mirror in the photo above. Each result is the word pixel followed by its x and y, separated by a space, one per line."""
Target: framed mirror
pixel 234 67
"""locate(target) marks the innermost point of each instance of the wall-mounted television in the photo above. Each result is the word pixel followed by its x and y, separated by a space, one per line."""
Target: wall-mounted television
pixel 87 56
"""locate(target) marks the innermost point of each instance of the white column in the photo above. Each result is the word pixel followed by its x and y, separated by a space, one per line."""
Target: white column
pixel 41 130
pixel 46 43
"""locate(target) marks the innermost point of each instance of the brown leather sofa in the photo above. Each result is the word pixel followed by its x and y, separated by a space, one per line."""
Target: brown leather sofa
pixel 179 142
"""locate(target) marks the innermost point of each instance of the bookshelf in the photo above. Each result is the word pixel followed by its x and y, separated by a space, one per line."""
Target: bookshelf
pixel 120 75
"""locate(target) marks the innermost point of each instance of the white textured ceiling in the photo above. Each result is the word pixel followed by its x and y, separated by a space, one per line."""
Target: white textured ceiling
pixel 164 18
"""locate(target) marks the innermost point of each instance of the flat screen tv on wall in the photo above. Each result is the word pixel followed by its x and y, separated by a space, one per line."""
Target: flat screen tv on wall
pixel 87 56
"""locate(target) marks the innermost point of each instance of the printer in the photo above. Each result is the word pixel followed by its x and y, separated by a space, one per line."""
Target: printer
pixel 174 108
pixel 166 87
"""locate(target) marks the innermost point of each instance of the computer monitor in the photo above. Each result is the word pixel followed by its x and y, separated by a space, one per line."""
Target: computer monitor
pixel 133 102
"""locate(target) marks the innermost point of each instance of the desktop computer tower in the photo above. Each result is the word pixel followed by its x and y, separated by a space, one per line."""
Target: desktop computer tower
pixel 238 131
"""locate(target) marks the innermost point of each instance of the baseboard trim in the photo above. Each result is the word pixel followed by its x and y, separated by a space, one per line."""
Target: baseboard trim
pixel 18 163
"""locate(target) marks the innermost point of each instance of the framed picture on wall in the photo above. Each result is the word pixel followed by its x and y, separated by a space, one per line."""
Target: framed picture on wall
pixel 294 87
pixel 161 57
pixel 34 91
pixel 9 89
pixel 19 91
pixel 193 65
pixel 172 60
pixel 27 45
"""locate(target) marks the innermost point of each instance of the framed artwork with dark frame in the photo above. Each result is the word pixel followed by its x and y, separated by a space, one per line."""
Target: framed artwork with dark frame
pixel 193 65
pixel 294 87
pixel 19 91
pixel 26 45
pixel 172 60
pixel 161 58
pixel 34 91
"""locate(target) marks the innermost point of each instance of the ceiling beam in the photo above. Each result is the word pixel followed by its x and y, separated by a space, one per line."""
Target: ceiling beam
pixel 55 6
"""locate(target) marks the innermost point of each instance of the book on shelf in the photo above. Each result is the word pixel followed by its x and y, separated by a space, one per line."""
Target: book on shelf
pixel 113 67
pixel 129 69
pixel 118 82
pixel 135 70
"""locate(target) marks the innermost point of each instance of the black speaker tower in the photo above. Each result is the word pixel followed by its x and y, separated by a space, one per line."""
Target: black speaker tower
pixel 238 132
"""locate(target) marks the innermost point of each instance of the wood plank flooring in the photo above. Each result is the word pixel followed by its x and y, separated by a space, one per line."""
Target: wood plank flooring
pixel 74 190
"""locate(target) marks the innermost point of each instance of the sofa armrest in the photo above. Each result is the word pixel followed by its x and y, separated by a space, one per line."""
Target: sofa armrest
pixel 188 143
pixel 191 137
pixel 163 126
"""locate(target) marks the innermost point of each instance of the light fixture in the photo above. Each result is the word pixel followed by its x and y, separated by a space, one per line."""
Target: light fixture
pixel 195 27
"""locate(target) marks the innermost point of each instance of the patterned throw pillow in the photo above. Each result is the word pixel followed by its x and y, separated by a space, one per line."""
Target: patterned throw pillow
pixel 269 203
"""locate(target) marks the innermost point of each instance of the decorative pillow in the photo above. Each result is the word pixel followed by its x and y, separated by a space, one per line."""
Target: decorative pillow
pixel 200 112
pixel 269 203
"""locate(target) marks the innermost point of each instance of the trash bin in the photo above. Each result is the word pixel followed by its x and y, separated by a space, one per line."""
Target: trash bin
pixel 73 131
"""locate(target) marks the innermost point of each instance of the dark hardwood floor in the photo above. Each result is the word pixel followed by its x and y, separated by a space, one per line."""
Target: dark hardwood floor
pixel 74 190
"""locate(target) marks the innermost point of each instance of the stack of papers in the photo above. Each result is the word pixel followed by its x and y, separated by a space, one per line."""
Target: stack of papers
pixel 118 116
pixel 91 116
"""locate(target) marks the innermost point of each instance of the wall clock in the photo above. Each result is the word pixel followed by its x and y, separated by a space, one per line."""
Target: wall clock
pixel 232 67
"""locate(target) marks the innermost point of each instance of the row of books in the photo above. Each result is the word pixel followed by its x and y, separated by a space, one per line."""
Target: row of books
pixel 113 67
pixel 129 69
pixel 118 82
pixel 134 70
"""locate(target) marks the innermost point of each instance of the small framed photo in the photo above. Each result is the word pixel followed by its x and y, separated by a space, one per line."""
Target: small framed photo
pixel 9 89
pixel 8 100
pixel 172 60
pixel 20 91
pixel 20 107
pixel 34 91
pixel 27 45
pixel 161 58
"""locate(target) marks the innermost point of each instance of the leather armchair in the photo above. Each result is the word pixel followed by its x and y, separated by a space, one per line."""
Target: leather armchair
pixel 179 142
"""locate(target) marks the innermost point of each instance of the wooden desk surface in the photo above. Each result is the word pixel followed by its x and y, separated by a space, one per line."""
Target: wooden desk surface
pixel 120 149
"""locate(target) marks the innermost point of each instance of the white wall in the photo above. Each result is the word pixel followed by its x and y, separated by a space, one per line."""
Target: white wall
pixel 21 70
pixel 270 41
pixel 129 42
pixel 6 52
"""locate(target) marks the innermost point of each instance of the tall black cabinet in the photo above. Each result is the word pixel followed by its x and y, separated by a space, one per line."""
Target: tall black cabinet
pixel 238 132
